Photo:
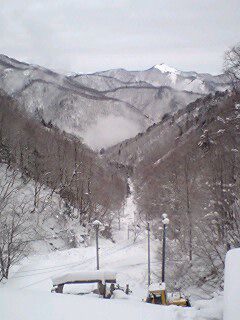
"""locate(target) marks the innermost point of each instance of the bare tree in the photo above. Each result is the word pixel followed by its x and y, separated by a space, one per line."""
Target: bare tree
pixel 14 237
pixel 22 219
pixel 14 221
pixel 232 65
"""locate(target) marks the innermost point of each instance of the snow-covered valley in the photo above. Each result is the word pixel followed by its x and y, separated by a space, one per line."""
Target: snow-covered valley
pixel 119 160
pixel 110 187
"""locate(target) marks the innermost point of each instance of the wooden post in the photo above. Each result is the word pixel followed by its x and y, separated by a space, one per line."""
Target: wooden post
pixel 102 289
pixel 59 288
pixel 112 288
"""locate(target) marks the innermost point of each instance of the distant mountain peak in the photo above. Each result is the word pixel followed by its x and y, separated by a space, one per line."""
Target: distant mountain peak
pixel 165 68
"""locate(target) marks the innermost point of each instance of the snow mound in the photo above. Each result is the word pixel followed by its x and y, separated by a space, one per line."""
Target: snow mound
pixel 232 285
pixel 210 309
pixel 119 294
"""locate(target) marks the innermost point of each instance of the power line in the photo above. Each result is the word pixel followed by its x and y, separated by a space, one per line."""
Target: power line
pixel 72 264
pixel 51 267
pixel 31 284
pixel 76 265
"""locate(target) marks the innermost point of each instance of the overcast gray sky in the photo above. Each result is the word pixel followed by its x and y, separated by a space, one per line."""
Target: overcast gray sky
pixel 92 35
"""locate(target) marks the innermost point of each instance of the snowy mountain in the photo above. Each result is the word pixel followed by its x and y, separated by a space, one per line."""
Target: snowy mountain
pixel 165 68
pixel 72 107
pixel 90 106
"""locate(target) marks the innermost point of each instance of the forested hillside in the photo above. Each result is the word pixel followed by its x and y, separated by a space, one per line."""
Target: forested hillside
pixel 188 166
pixel 61 162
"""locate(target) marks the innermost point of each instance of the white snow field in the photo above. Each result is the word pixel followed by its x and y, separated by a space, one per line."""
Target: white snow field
pixel 232 285
pixel 27 293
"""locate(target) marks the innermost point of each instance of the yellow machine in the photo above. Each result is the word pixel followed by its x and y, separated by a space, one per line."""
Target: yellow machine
pixel 157 295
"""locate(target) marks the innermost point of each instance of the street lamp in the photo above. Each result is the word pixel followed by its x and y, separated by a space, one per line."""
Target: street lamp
pixel 96 225
pixel 149 262
pixel 165 222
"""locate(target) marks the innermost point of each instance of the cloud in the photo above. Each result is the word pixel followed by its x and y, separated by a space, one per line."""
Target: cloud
pixel 87 36
pixel 109 131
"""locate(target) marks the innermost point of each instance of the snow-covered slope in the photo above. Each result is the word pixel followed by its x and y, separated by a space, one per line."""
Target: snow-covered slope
pixel 154 102
pixel 98 82
pixel 103 83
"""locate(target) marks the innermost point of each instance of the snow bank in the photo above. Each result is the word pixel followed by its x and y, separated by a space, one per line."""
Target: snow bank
pixel 100 275
pixel 29 305
pixel 210 309
pixel 232 285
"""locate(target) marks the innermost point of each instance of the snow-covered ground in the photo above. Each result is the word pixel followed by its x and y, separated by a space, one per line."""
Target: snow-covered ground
pixel 27 294
pixel 30 288
pixel 30 306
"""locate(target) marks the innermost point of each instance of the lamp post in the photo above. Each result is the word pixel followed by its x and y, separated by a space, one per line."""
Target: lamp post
pixel 165 222
pixel 149 263
pixel 96 225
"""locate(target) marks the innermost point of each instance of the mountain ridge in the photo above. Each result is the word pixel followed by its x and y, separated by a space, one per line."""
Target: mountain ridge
pixel 89 106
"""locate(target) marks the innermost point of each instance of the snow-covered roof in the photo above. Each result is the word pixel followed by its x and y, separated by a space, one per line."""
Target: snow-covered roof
pixel 157 286
pixel 100 275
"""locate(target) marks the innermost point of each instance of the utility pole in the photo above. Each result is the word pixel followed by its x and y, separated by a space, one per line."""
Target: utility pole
pixel 96 225
pixel 149 263
pixel 165 222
